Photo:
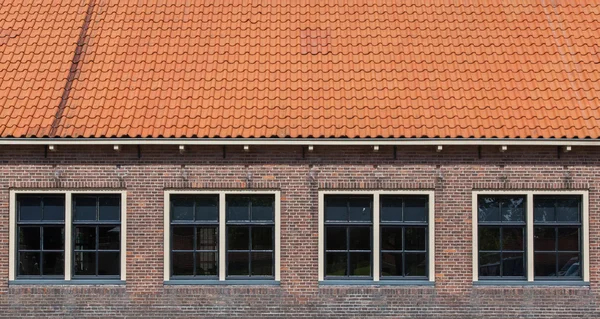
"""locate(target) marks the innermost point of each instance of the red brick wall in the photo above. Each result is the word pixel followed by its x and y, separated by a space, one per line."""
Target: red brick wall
pixel 453 174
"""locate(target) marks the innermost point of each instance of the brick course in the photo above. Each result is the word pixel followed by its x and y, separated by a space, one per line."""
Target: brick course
pixel 453 174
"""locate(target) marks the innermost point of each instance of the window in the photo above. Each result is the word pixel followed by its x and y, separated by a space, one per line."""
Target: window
pixel 66 235
pixel 41 236
pixel 220 236
pixel 96 236
pixel 194 231
pixel 376 236
pixel 533 236
pixel 502 236
pixel 348 238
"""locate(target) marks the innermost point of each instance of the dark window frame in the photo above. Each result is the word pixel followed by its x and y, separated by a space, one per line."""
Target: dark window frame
pixel 195 224
pixel 348 225
pixel 250 224
pixel 96 224
pixel 404 225
pixel 501 225
pixel 555 224
pixel 41 225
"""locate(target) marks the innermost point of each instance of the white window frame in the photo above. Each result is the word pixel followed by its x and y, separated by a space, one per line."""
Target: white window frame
pixel 529 222
pixel 376 226
pixel 68 194
pixel 222 226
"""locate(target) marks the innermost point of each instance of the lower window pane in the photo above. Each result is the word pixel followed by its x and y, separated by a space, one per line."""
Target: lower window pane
pixel 206 264
pixel 182 238
pixel 183 264
pixel 569 265
pixel 85 238
pixel 336 238
pixel 360 238
pixel 109 237
pixel 54 238
pixel 262 264
pixel 29 264
pixel 85 263
pixel 109 263
pixel 489 238
pixel 544 238
pixel 237 264
pixel 337 264
pixel 545 264
pixel 391 238
pixel 262 238
pixel 360 264
pixel 29 238
pixel 568 239
pixel 489 264
pixel 391 264
pixel 512 264
pixel 415 264
pixel 238 237
pixel 414 238
pixel 54 263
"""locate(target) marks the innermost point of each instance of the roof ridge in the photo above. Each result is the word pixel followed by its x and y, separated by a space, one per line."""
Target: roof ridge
pixel 77 57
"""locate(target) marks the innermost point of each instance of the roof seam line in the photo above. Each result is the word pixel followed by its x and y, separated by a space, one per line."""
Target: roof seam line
pixel 75 67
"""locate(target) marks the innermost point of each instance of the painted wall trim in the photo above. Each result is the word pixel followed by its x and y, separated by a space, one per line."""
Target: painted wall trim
pixel 301 141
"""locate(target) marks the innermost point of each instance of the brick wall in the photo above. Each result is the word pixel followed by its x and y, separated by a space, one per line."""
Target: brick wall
pixel 452 173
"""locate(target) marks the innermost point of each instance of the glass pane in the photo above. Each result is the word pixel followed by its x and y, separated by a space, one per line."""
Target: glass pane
pixel 206 238
pixel 512 238
pixel 262 208
pixel 238 238
pixel 54 238
pixel 30 208
pixel 336 208
pixel 238 208
pixel 237 264
pixel 262 264
pixel 416 264
pixel 29 264
pixel 568 239
pixel 183 264
pixel 109 237
pixel 29 238
pixel 567 208
pixel 488 209
pixel 54 208
pixel 360 238
pixel 84 263
pixel 183 208
pixel 85 238
pixel 544 238
pixel 414 238
pixel 544 264
pixel 568 265
pixel 415 209
pixel 391 264
pixel 110 208
pixel 391 208
pixel 207 208
pixel 85 208
pixel 489 264
pixel 182 238
pixel 109 263
pixel 489 238
pixel 391 238
pixel 513 208
pixel 337 264
pixel 360 264
pixel 360 209
pixel 262 238
pixel 512 264
pixel 53 264
pixel 206 264
pixel 335 238
pixel 543 210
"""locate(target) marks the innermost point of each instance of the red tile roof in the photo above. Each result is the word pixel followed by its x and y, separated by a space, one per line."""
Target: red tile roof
pixel 362 68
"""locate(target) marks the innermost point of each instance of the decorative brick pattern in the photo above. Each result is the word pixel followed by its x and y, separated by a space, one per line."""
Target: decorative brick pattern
pixel 453 174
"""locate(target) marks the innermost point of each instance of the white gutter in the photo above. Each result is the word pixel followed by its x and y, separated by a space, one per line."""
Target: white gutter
pixel 298 141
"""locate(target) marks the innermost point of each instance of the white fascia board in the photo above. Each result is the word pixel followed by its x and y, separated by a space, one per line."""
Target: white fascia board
pixel 297 141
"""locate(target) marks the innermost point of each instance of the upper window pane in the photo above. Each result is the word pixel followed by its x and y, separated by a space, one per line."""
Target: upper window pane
pixel 398 208
pixel 238 207
pixel 415 208
pixel 336 208
pixel 262 207
pixel 391 208
pixel 85 208
pixel 359 208
pixel 182 208
pixel 30 208
pixel 54 207
pixel 557 208
pixel 348 208
pixel 41 208
pixel 501 208
pixel 207 208
pixel 109 207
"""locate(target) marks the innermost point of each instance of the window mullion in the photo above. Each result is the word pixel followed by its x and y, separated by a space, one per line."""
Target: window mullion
pixel 376 254
pixel 68 236
pixel 529 232
pixel 222 237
